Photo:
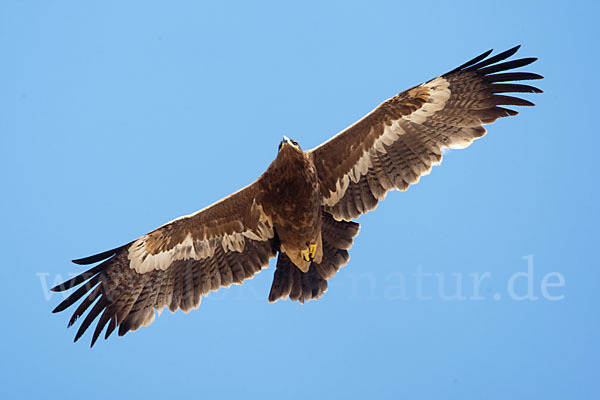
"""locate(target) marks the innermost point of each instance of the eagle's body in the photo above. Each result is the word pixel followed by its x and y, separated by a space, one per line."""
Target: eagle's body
pixel 301 209
pixel 290 194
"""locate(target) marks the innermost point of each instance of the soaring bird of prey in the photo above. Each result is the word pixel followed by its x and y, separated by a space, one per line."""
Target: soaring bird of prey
pixel 301 208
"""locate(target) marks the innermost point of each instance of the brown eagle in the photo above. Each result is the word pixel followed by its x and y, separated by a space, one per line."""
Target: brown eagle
pixel 300 209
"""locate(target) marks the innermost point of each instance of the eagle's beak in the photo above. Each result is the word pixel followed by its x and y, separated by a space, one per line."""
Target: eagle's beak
pixel 289 142
pixel 285 140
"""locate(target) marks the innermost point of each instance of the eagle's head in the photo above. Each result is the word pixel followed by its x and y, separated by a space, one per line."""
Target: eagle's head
pixel 290 156
pixel 289 144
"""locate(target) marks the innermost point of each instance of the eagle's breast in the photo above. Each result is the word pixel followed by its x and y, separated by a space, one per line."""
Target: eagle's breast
pixel 292 198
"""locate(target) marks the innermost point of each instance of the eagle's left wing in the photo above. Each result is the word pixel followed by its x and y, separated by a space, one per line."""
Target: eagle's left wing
pixel 174 265
pixel 399 141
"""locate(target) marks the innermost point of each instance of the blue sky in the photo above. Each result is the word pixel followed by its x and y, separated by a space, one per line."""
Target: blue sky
pixel 117 116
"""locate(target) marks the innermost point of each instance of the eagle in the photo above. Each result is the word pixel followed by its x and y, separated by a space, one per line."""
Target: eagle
pixel 301 209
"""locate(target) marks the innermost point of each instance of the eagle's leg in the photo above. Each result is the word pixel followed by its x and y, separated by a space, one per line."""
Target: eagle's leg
pixel 312 249
pixel 305 254
pixel 308 254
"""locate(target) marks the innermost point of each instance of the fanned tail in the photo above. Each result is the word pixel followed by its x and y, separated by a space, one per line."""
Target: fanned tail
pixel 290 282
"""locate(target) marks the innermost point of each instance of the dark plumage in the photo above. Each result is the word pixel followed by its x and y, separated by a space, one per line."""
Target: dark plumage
pixel 301 207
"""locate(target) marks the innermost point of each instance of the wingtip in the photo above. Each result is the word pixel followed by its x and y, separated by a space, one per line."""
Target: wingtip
pixel 511 52
pixel 72 321
pixel 61 307
pixel 79 333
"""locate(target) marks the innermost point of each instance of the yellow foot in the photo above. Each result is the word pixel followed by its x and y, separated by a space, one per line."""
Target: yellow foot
pixel 312 249
pixel 309 254
pixel 305 255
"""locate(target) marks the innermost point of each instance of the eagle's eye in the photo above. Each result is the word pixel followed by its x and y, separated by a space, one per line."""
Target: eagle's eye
pixel 294 143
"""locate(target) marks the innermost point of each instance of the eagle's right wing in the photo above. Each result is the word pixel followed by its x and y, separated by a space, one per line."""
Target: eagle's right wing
pixel 399 141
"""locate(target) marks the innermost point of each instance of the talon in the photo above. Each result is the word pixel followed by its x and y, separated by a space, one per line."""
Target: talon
pixel 312 249
pixel 309 253
pixel 305 255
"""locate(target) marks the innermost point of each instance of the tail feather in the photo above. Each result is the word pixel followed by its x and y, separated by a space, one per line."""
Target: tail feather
pixel 290 282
